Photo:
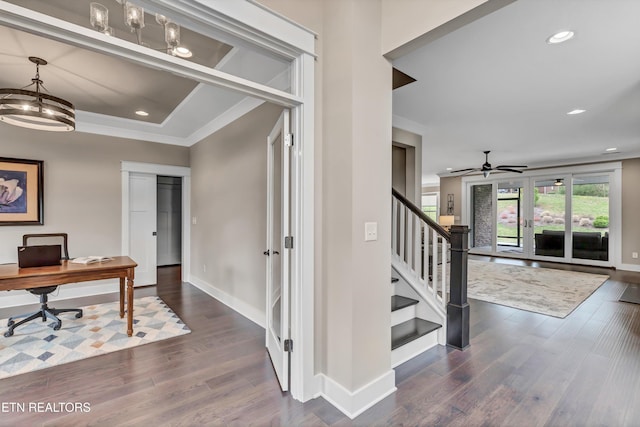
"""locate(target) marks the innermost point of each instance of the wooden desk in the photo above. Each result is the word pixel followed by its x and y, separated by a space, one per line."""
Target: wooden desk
pixel 121 267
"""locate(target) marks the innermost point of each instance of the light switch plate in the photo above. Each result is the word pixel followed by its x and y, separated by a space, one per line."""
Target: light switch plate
pixel 370 231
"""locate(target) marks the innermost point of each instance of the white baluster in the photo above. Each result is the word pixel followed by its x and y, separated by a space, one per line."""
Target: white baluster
pixel 425 255
pixel 402 230
pixel 409 238
pixel 443 287
pixel 416 244
pixel 394 225
pixel 434 262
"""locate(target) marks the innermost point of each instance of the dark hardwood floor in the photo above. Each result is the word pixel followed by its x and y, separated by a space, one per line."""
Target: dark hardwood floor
pixel 522 369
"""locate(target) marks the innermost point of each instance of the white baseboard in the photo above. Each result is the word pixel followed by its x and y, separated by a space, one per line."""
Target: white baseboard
pixel 354 403
pixel 629 267
pixel 256 316
pixel 22 297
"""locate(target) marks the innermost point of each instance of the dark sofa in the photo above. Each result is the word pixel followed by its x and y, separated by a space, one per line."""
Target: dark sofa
pixel 586 245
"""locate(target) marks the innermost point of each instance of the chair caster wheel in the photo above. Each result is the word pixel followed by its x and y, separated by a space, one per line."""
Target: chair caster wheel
pixel 57 327
pixel 8 334
pixel 78 315
pixel 10 322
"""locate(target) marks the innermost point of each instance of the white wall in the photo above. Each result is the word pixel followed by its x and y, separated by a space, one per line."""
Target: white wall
pixel 82 190
pixel 408 24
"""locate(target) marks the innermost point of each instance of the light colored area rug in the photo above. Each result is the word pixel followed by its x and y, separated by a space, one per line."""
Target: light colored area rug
pixel 541 290
pixel 36 345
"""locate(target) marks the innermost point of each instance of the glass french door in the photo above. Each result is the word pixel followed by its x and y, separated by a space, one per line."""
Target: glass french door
pixel 510 216
pixel 498 217
pixel 549 216
pixel 561 217
pixel 590 213
pixel 278 255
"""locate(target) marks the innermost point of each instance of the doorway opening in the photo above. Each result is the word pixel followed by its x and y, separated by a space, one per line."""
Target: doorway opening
pixel 150 204
pixel 169 227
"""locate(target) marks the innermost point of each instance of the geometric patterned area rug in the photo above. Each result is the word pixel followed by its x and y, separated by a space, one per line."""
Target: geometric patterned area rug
pixel 36 345
pixel 540 290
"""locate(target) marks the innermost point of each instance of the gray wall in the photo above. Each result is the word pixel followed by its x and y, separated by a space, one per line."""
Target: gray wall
pixel 630 210
pixel 451 185
pixel 353 177
pixel 229 200
pixel 412 144
pixel 82 185
pixel 399 169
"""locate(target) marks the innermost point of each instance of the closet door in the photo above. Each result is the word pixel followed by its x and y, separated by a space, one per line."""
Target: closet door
pixel 142 220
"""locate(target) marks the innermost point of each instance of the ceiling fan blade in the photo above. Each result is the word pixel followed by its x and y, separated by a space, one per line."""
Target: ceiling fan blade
pixel 501 168
pixel 509 166
pixel 465 170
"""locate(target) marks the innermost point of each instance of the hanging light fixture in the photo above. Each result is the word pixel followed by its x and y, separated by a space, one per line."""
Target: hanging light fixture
pixel 99 18
pixel 35 109
pixel 134 19
pixel 171 35
pixel 558 182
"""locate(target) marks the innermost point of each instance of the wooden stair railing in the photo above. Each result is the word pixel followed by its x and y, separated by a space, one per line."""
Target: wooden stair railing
pixel 426 249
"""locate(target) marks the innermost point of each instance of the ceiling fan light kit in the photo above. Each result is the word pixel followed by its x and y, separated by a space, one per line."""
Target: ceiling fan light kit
pixel 34 109
pixel 486 168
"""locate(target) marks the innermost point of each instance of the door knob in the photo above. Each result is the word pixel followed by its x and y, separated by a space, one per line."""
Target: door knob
pixel 266 252
pixel 276 253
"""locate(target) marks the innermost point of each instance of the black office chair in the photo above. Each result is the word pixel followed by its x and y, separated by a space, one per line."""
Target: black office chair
pixel 45 311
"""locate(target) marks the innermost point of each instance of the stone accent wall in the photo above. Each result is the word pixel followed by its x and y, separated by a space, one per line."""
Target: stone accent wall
pixel 482 219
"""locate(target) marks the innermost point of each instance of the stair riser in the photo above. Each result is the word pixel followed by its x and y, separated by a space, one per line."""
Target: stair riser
pixel 414 348
pixel 403 315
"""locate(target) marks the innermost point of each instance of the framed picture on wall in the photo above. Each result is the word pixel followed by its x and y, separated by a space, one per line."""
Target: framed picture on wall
pixel 21 192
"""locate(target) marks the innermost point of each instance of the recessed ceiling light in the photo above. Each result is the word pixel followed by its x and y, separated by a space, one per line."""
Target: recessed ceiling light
pixel 449 169
pixel 183 52
pixel 142 113
pixel 576 111
pixel 560 36
pixel 611 149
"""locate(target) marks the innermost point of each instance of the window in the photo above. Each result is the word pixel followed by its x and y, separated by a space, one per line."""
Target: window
pixel 430 205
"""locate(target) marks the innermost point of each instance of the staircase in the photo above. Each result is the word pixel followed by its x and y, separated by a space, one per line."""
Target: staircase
pixel 429 298
pixel 410 335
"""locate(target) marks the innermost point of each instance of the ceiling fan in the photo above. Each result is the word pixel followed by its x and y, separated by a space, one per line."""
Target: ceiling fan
pixel 486 168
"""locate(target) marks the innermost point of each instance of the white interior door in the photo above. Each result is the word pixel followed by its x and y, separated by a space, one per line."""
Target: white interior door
pixel 278 256
pixel 142 220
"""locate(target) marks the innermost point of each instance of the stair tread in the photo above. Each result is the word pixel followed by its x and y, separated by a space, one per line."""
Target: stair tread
pixel 398 302
pixel 394 279
pixel 411 330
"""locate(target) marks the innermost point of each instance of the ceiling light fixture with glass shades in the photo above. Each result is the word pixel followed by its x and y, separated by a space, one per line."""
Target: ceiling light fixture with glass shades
pixel 134 19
